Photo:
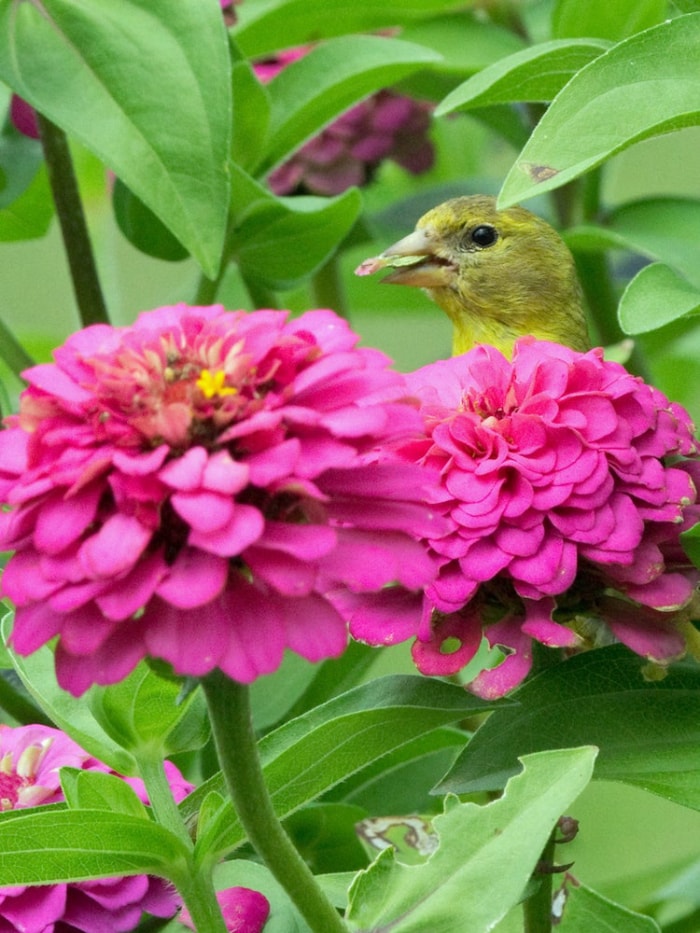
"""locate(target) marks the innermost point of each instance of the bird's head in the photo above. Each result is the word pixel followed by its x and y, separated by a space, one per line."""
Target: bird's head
pixel 498 274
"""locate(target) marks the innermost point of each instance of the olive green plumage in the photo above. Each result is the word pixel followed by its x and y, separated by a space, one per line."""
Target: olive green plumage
pixel 498 274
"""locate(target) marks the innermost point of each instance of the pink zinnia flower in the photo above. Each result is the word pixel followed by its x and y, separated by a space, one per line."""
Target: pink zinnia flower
pixel 30 759
pixel 243 910
pixel 348 152
pixel 193 488
pixel 562 479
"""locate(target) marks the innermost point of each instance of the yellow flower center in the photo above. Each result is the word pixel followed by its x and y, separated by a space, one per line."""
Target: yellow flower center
pixel 212 384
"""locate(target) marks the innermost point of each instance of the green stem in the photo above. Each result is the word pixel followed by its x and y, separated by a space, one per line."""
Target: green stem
pixel 160 797
pixel 13 353
pixel 195 885
pixel 328 289
pixel 197 891
pixel 69 208
pixel 537 909
pixel 229 710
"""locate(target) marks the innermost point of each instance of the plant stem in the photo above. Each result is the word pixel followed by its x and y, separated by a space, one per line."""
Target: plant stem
pixel 537 909
pixel 229 710
pixel 160 797
pixel 195 885
pixel 69 208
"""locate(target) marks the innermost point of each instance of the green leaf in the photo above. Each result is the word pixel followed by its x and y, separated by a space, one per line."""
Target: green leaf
pixel 533 74
pixel 400 782
pixel 311 754
pixel 324 835
pixel 142 228
pixel 264 28
pixel 284 240
pixel 97 790
pixel 584 910
pixel 656 296
pixel 69 713
pixel 251 116
pixel 465 41
pixel 489 851
pixel 690 540
pixel 648 733
pixel 606 20
pixel 664 229
pixel 144 713
pixel 55 846
pixel 641 87
pixel 26 206
pixel 312 91
pixel 108 73
pixel 29 215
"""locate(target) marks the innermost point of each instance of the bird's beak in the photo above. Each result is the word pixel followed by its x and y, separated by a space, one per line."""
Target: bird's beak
pixel 415 261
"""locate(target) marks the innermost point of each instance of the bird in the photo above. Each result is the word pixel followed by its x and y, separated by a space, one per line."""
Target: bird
pixel 499 274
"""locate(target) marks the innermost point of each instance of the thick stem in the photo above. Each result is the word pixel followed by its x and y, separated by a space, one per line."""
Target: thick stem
pixel 69 208
pixel 229 710
pixel 537 909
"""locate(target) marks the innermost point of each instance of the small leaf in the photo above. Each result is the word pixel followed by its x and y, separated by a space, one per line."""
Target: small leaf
pixel 142 228
pixel 533 74
pixel 285 240
pixel 656 296
pixel 583 910
pixel 488 850
pixel 97 790
pixel 310 92
pixel 106 72
pixel 606 20
pixel 144 713
pixel 641 87
pixel 648 732
pixel 264 28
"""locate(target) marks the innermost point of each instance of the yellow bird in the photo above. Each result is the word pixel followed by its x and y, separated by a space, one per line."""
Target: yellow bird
pixel 498 274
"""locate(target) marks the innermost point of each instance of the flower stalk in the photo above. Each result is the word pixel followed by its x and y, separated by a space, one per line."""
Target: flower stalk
pixel 229 710
pixel 69 208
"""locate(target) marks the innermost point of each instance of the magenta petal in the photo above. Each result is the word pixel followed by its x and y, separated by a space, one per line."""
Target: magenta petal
pixel 204 512
pixel 61 521
pixel 245 526
pixel 115 547
pixel 497 681
pixel 432 657
pixel 194 579
pixel 385 618
pixel 648 633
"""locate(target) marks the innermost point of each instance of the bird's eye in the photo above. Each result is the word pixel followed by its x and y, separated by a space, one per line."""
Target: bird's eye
pixel 482 236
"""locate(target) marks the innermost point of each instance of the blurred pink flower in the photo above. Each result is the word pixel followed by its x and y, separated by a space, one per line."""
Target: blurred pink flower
pixel 562 480
pixel 243 910
pixel 348 152
pixel 30 759
pixel 195 487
